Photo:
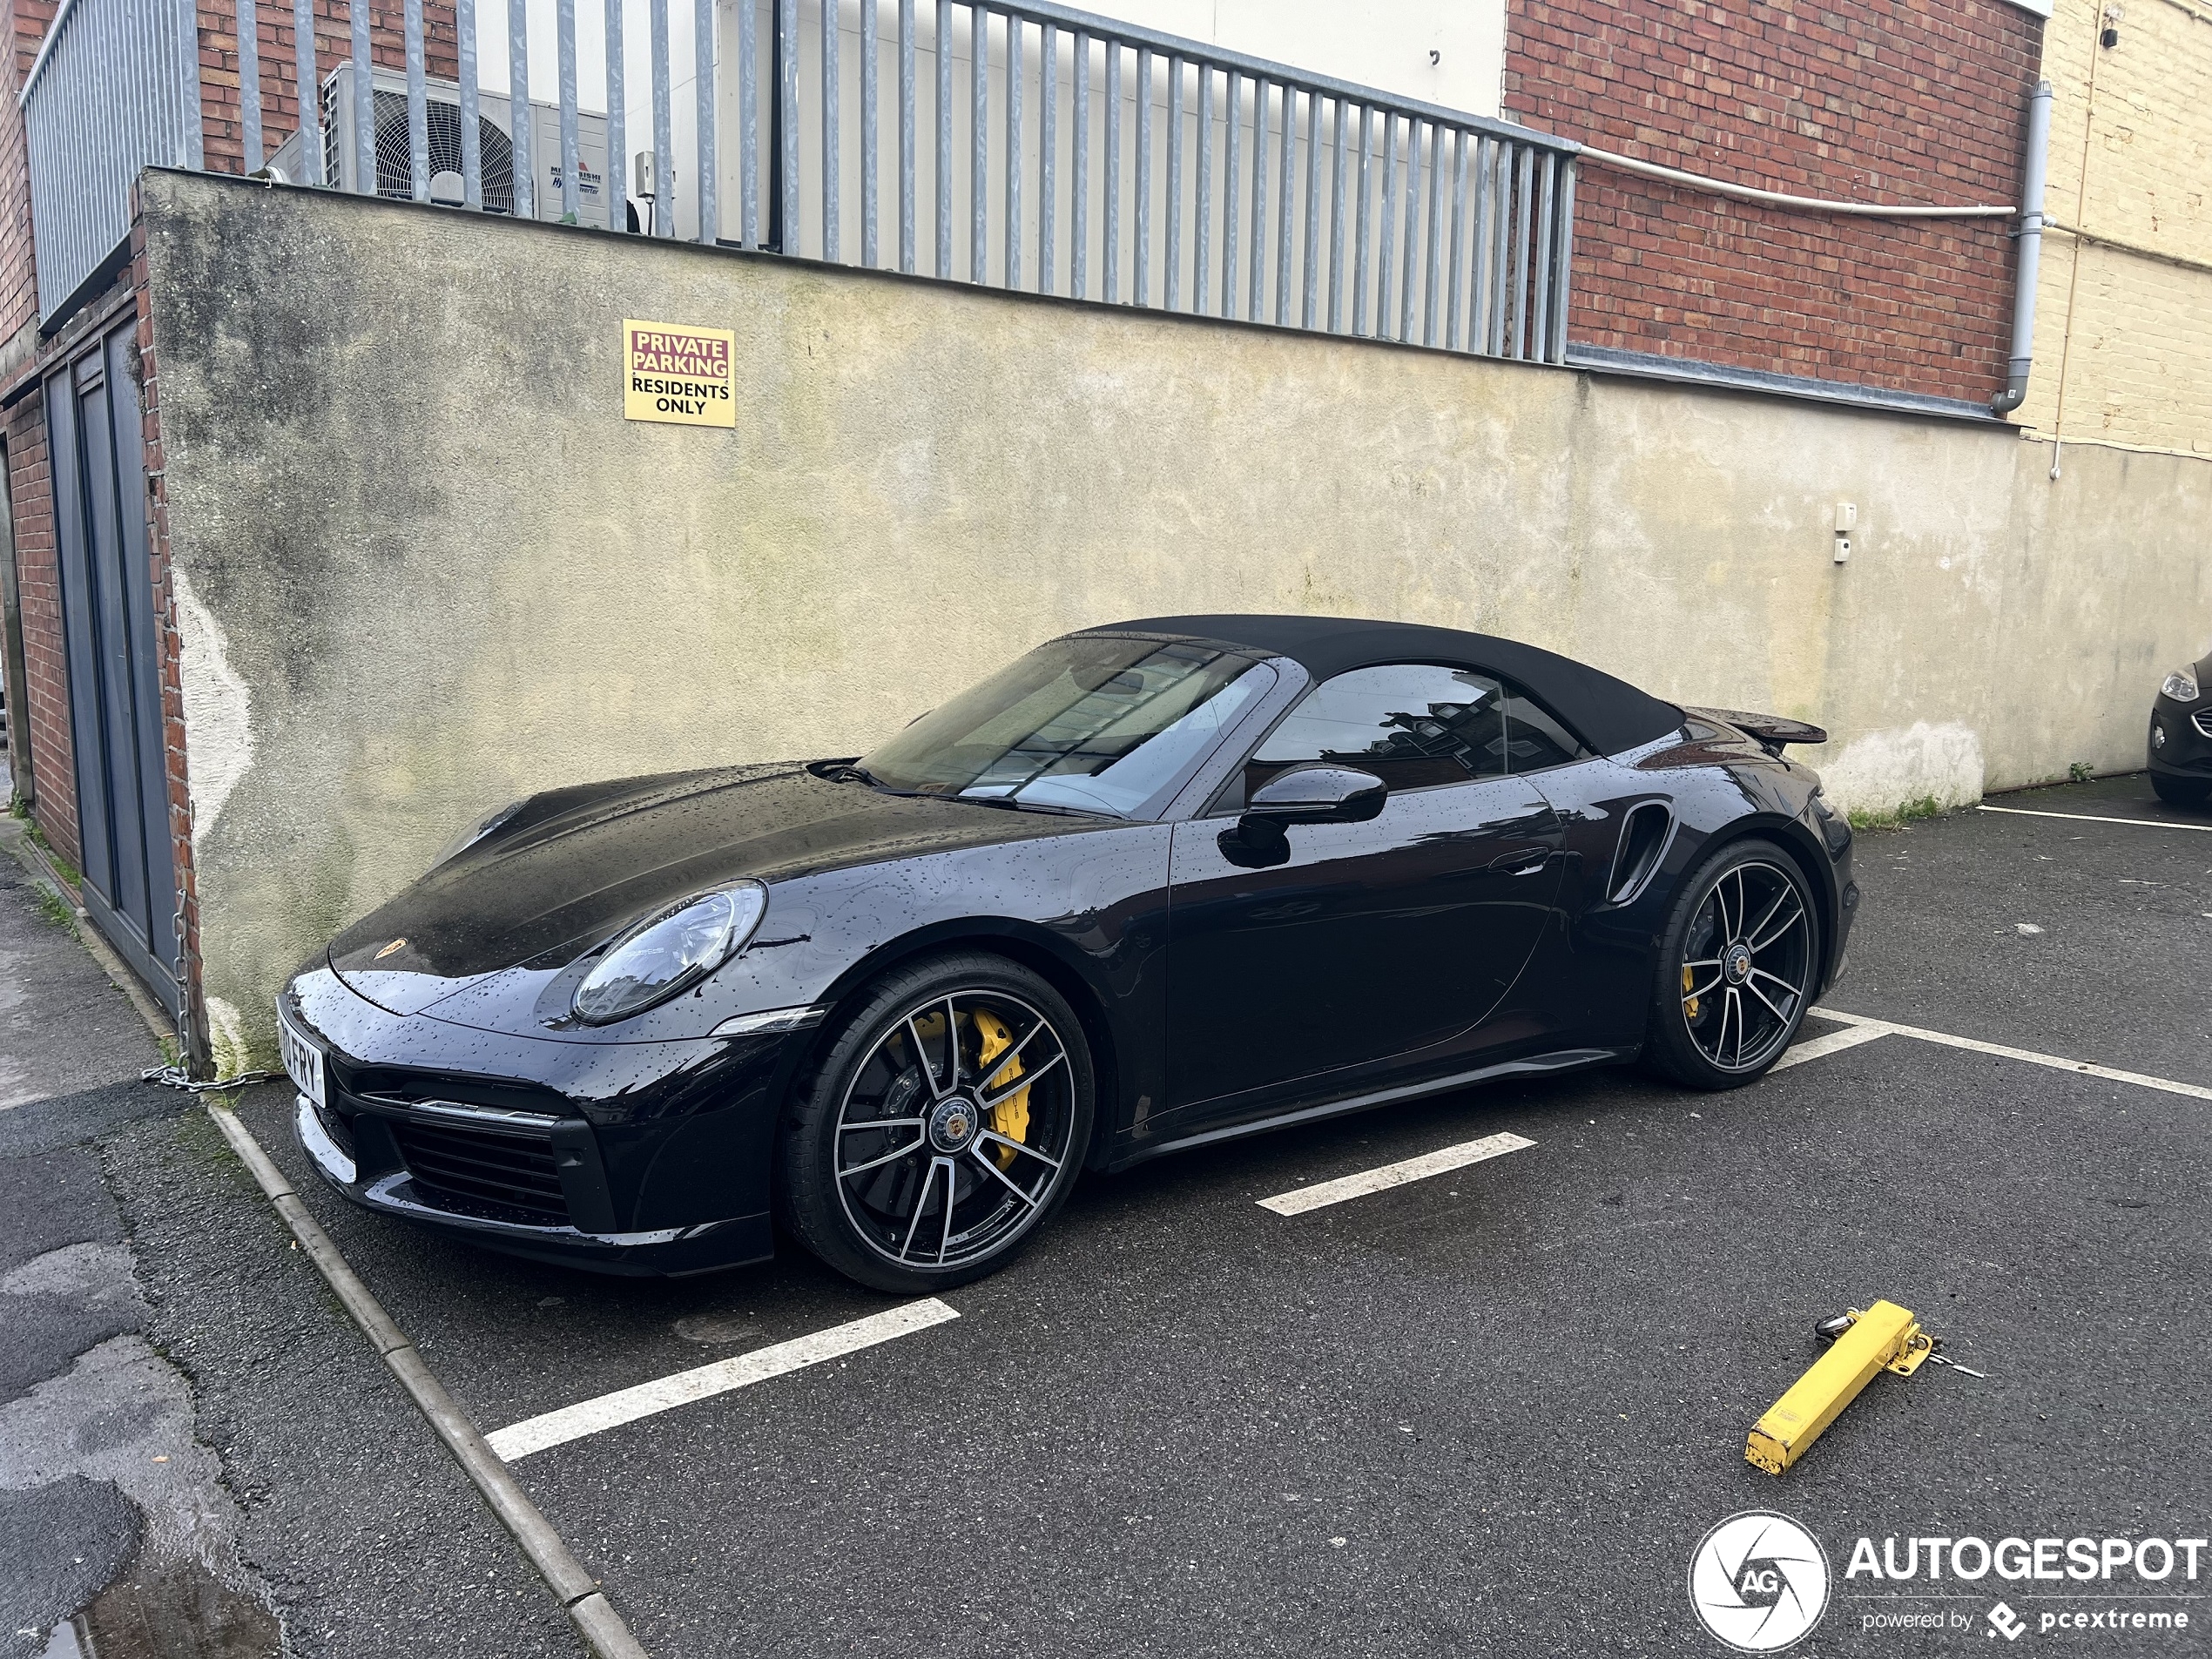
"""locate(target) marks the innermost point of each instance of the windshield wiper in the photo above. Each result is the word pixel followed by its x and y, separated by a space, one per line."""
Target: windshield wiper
pixel 1008 804
pixel 853 771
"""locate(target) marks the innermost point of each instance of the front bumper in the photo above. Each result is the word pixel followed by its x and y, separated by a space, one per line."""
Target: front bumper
pixel 649 1158
pixel 2177 745
pixel 397 1192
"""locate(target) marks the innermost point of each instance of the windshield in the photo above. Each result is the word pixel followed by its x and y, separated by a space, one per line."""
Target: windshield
pixel 1091 724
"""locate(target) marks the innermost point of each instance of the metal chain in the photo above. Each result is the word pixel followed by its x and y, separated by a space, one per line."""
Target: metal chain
pixel 171 1076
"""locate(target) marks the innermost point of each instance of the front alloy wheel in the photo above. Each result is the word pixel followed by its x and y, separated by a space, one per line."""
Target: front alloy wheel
pixel 1738 968
pixel 947 1122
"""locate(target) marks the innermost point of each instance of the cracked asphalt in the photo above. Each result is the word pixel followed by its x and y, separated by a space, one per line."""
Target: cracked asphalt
pixel 1489 1412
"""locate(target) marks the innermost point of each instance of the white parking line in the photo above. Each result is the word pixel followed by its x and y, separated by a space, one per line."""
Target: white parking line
pixel 664 1394
pixel 1890 1028
pixel 1324 1193
pixel 1849 1037
pixel 2091 818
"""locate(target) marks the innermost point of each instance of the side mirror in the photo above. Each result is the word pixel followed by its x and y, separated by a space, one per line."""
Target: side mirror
pixel 1317 795
pixel 1309 794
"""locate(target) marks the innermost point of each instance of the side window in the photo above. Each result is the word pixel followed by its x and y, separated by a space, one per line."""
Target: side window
pixel 1533 740
pixel 1412 724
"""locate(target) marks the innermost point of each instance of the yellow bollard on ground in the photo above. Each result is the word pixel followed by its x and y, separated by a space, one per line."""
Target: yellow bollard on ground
pixel 1884 1337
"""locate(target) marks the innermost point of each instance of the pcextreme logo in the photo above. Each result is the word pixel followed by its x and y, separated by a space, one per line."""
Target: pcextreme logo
pixel 1759 1581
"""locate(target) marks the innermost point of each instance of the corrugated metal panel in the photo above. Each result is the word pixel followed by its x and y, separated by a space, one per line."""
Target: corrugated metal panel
pixel 113 90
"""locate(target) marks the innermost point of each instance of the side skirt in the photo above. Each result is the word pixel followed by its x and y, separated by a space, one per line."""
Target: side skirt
pixel 1533 1065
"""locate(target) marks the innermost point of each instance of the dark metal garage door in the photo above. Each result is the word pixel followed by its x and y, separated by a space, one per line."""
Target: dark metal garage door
pixel 94 437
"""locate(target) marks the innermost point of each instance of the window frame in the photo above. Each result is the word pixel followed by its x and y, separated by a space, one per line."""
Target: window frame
pixel 1511 688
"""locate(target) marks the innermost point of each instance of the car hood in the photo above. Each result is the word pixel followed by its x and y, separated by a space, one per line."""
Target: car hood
pixel 574 867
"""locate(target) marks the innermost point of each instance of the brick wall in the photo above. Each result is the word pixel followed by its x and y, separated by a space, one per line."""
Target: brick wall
pixel 45 720
pixel 223 133
pixel 38 582
pixel 1889 100
pixel 27 21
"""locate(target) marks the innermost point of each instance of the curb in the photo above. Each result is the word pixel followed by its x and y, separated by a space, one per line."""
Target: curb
pixel 588 1609
pixel 580 1597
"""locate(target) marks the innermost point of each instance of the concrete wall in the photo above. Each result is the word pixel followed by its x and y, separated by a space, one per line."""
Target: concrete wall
pixel 422 565
pixel 2123 337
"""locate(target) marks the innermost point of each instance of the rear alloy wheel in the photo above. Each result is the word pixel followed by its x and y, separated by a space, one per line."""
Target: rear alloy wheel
pixel 945 1123
pixel 1738 963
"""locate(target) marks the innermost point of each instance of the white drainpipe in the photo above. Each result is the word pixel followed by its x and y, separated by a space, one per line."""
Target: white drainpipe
pixel 2031 253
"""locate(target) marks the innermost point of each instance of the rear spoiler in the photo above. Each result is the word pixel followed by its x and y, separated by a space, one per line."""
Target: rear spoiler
pixel 1770 731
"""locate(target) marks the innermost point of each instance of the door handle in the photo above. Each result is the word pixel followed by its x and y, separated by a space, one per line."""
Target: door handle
pixel 1528 860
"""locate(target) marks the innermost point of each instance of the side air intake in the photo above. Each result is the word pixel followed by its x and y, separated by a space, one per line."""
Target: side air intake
pixel 1644 835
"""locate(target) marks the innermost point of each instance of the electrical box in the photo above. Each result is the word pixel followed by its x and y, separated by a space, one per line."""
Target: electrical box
pixel 1846 522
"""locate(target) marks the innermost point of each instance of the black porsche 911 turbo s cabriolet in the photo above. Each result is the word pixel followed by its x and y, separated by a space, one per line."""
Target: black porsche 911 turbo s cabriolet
pixel 1151 885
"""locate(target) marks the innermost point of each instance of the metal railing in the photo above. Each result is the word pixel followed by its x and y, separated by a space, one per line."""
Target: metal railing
pixel 115 89
pixel 1019 145
pixel 1166 174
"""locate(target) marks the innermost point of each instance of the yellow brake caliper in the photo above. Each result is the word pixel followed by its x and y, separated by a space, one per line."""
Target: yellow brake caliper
pixel 1010 1117
pixel 1691 1005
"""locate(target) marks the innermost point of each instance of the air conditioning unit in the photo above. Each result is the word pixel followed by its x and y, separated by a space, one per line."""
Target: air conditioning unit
pixel 494 128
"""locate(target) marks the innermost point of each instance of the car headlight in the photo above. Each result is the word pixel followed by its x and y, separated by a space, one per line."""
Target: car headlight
pixel 2180 686
pixel 670 951
pixel 477 830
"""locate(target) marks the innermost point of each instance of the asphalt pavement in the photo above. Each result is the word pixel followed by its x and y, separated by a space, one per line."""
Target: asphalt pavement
pixel 110 1506
pixel 1492 1411
pixel 199 1457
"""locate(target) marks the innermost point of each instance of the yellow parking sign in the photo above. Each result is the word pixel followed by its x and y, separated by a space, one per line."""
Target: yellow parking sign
pixel 678 373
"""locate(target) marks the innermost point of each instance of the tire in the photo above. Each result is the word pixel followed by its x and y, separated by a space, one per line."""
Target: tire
pixel 2181 791
pixel 1006 1154
pixel 1752 966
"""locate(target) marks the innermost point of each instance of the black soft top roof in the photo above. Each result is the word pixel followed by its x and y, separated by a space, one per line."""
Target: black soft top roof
pixel 1610 714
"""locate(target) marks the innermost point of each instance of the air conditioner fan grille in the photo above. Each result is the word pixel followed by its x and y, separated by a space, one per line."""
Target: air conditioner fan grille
pixel 395 178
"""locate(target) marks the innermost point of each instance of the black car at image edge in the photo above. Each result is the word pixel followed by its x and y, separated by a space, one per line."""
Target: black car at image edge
pixel 2181 736
pixel 1151 886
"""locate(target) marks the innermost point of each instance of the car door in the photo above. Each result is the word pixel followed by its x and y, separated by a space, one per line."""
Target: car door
pixel 1348 943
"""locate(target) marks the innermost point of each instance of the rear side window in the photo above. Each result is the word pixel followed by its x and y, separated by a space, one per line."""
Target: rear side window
pixel 1533 740
pixel 1415 726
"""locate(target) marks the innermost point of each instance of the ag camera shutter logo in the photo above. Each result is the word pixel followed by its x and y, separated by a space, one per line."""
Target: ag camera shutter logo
pixel 1759 1581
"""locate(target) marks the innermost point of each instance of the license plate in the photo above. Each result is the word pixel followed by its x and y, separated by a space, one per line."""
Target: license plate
pixel 302 1063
